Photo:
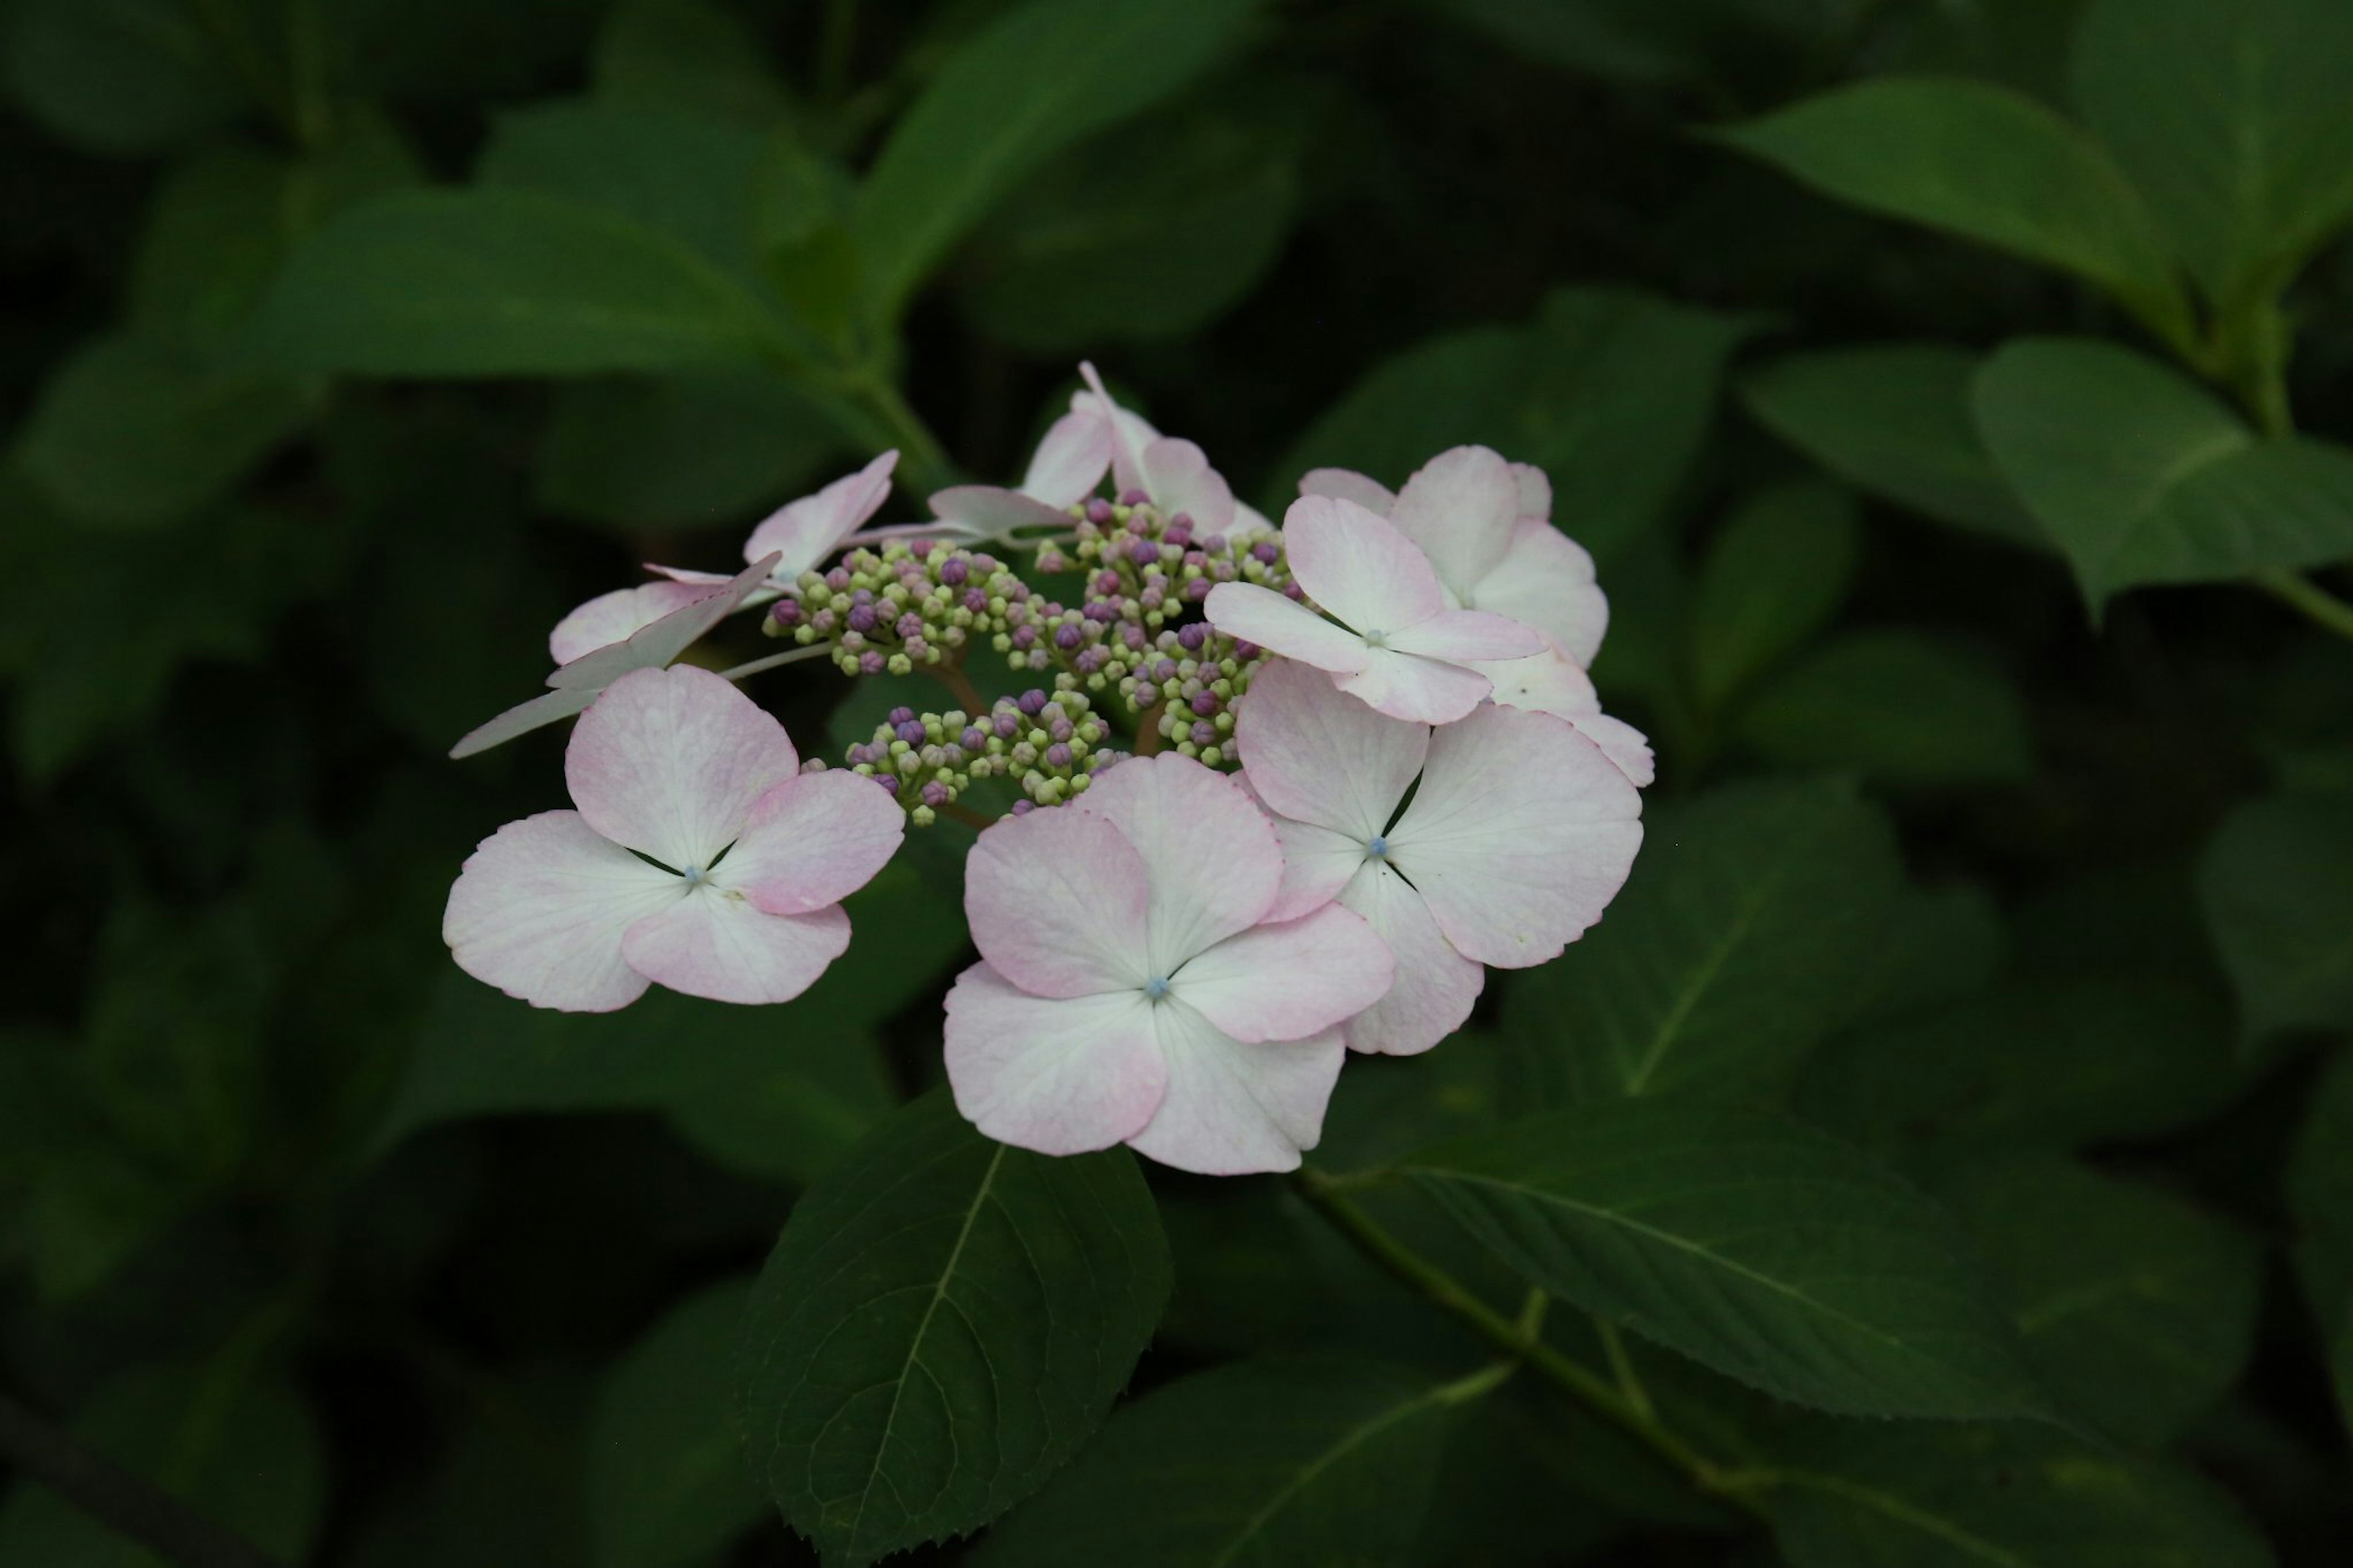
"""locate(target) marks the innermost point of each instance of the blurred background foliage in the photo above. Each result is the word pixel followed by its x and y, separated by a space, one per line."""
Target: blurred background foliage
pixel 345 342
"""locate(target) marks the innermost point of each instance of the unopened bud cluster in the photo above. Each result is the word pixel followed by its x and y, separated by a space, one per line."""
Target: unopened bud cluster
pixel 902 608
pixel 1048 744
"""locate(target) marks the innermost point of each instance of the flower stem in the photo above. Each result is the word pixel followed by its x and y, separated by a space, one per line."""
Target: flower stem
pixel 2317 602
pixel 790 656
pixel 1523 1341
pixel 960 687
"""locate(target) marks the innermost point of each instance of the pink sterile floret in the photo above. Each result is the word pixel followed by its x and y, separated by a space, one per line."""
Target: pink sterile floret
pixel 1133 988
pixel 755 858
pixel 1520 833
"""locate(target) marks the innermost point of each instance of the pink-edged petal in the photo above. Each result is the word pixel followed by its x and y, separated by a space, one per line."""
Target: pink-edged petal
pixel 804 532
pixel 547 707
pixel 1284 625
pixel 1316 864
pixel 1346 484
pixel 1179 478
pixel 1059 1076
pixel 1234 1110
pixel 1435 987
pixel 715 944
pixel 689 574
pixel 1287 982
pixel 615 617
pixel 1072 459
pixel 1056 902
pixel 812 841
pixel 1320 756
pixel 1545 581
pixel 1521 833
pixel 539 909
pixel 986 512
pixel 1421 689
pixel 1211 865
pixel 1460 507
pixel 1356 565
pixel 1536 491
pixel 655 644
pixel 671 761
pixel 1550 683
pixel 1623 744
pixel 1130 433
pixel 1465 637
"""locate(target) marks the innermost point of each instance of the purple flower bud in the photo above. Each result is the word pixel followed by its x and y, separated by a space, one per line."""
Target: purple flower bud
pixel 1032 702
pixel 888 782
pixel 1105 582
pixel 1204 735
pixel 1294 592
pixel 1098 510
pixel 838 579
pixel 1132 498
pixel 908 730
pixel 786 613
pixel 898 716
pixel 1067 638
pixel 1144 553
pixel 910 625
pixel 1165 670
pixel 1245 651
pixel 955 573
pixel 1025 638
pixel 1197 590
pixel 975 601
pixel 1205 703
pixel 1058 726
pixel 1024 807
pixel 935 794
pixel 1051 560
pixel 1058 756
pixel 861 618
pixel 871 663
pixel 1133 638
pixel 1191 638
pixel 1265 551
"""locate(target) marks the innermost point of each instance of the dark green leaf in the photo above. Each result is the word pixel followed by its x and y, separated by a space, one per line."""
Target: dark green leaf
pixel 2320 1197
pixel 685 54
pixel 1752 924
pixel 1767 1252
pixel 2137 1308
pixel 1892 418
pixel 2277 887
pixel 2140 475
pixel 1772 578
pixel 1265 1464
pixel 1995 1497
pixel 1043 77
pixel 1898 707
pixel 118 76
pixel 498 282
pixel 943 1324
pixel 2233 121
pixel 1937 946
pixel 1982 163
pixel 666 1483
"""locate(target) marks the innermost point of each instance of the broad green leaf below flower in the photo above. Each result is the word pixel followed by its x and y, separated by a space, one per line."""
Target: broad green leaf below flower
pixel 2277 885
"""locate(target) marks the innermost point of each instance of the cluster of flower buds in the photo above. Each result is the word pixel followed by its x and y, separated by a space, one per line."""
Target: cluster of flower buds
pixel 1048 744
pixel 905 607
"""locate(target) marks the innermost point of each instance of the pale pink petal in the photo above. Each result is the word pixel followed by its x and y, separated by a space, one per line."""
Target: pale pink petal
pixel 813 840
pixel 1521 833
pixel 1550 683
pixel 545 709
pixel 1059 1076
pixel 1422 689
pixel 1179 478
pixel 1536 491
pixel 1055 900
pixel 1622 745
pixel 1211 865
pixel 1357 565
pixel 1435 987
pixel 539 909
pixel 1071 461
pixel 1460 507
pixel 1321 756
pixel 984 511
pixel 1249 524
pixel 613 618
pixel 1234 1110
pixel 1283 626
pixel 715 944
pixel 804 532
pixel 1545 581
pixel 1286 981
pixel 1464 636
pixel 1346 484
pixel 689 574
pixel 1316 864
pixel 670 763
pixel 1130 433
pixel 655 644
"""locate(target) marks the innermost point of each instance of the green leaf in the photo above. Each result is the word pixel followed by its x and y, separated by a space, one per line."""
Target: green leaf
pixel 2277 886
pixel 499 283
pixel 1042 77
pixel 666 1484
pixel 1995 1497
pixel 1772 577
pixel 120 76
pixel 2048 1066
pixel 1892 419
pixel 1898 707
pixel 1151 232
pixel 940 1327
pixel 1937 946
pixel 2140 475
pixel 1752 924
pixel 2233 121
pixel 1983 162
pixel 239 1448
pixel 131 436
pixel 696 449
pixel 2137 1310
pixel 685 54
pixel 2320 1197
pixel 1765 1251
pixel 1265 1464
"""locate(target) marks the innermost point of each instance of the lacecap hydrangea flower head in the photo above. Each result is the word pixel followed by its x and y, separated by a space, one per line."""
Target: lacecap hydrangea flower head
pixel 1247 798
